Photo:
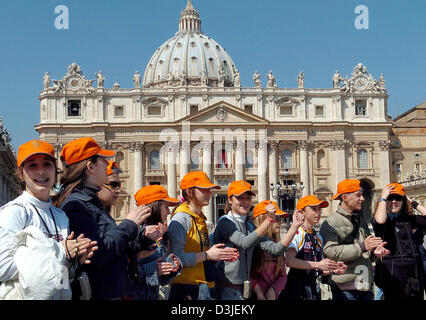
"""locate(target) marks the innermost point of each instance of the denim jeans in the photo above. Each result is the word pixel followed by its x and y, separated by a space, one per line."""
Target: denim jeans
pixel 350 294
pixel 231 294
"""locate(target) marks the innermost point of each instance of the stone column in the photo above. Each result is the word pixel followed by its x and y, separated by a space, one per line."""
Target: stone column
pixel 262 193
pixel 339 147
pixel 304 167
pixel 384 147
pixel 273 161
pixel 136 148
pixel 207 168
pixel 171 170
pixel 240 160
pixel 185 156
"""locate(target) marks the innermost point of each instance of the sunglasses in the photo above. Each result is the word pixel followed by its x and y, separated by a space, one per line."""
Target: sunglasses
pixel 395 197
pixel 113 184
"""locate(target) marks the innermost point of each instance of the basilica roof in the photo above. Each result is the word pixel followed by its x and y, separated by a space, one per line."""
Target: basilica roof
pixel 190 57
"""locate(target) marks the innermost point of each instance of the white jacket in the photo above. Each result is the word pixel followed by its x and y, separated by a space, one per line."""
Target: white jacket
pixel 18 215
pixel 40 262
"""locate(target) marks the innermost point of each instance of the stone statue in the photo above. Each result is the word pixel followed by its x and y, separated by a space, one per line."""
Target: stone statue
pixel 301 80
pixel 256 79
pixel 137 79
pixel 221 77
pixel 237 79
pixel 271 80
pixel 46 80
pixel 183 80
pixel 336 79
pixel 204 79
pixel 57 85
pixel 381 85
pixel 100 78
pixel 170 78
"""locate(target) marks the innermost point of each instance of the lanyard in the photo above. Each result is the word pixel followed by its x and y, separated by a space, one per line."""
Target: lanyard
pixel 314 242
pixel 45 225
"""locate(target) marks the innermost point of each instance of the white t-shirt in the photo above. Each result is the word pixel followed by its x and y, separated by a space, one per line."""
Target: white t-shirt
pixel 299 240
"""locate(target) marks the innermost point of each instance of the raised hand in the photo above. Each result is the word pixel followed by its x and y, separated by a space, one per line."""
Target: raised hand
pixel 220 252
pixel 139 214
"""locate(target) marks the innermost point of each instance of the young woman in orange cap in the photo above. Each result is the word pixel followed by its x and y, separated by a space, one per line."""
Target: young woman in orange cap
pixel 235 231
pixel 155 265
pixel 305 256
pixel 189 240
pixel 268 272
pixel 400 274
pixel 32 209
pixel 110 190
pixel 84 173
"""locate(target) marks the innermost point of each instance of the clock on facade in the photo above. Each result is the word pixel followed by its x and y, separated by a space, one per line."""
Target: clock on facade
pixel 74 83
pixel 360 83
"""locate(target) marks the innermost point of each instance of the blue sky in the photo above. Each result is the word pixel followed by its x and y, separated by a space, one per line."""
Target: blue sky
pixel 119 37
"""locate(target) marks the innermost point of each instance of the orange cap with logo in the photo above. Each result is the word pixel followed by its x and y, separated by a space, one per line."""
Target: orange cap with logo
pixel 398 189
pixel 238 187
pixel 112 168
pixel 33 147
pixel 347 186
pixel 153 193
pixel 310 200
pixel 197 179
pixel 260 209
pixel 82 149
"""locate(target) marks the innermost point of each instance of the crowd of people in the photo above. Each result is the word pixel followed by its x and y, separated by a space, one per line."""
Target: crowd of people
pixel 66 244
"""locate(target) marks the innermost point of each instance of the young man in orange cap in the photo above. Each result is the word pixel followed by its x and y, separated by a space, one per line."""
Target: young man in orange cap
pixel 235 231
pixel 347 238
pixel 305 256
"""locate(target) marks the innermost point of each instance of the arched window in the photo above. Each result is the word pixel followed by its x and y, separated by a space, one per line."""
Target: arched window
pixel 154 160
pixel 286 159
pixel 195 160
pixel 222 162
pixel 321 161
pixel 119 159
pixel 362 159
pixel 249 159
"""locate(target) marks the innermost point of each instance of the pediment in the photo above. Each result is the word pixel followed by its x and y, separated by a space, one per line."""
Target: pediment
pixel 225 113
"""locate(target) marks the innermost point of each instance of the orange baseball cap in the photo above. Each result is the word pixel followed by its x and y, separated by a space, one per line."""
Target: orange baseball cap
pixel 112 168
pixel 33 147
pixel 347 186
pixel 239 187
pixel 310 200
pixel 399 189
pixel 259 209
pixel 197 179
pixel 81 149
pixel 153 193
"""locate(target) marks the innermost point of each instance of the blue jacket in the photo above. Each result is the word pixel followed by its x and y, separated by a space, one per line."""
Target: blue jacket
pixel 108 267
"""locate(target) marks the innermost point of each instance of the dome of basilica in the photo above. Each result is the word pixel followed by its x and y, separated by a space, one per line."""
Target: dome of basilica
pixel 190 58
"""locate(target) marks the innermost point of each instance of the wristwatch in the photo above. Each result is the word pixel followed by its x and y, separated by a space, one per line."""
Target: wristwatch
pixel 381 199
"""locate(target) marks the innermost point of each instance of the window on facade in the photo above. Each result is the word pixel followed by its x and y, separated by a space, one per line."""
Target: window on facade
pixel 118 111
pixel 362 159
pixel 154 160
pixel 251 182
pixel 417 168
pixel 321 159
pixel 361 107
pixel 248 108
pixel 195 160
pixel 151 183
pixel 193 109
pixel 74 108
pixel 286 110
pixel 154 110
pixel 319 110
pixel 398 168
pixel 222 162
pixel 287 158
pixel 249 158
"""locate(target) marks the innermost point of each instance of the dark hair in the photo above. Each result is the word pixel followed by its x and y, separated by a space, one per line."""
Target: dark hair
pixel 155 216
pixel 406 207
pixel 71 177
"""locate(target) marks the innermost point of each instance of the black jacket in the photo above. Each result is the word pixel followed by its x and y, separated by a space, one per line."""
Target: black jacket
pixel 108 268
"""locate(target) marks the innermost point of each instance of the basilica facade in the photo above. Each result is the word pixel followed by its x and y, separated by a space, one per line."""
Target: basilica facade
pixel 188 111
